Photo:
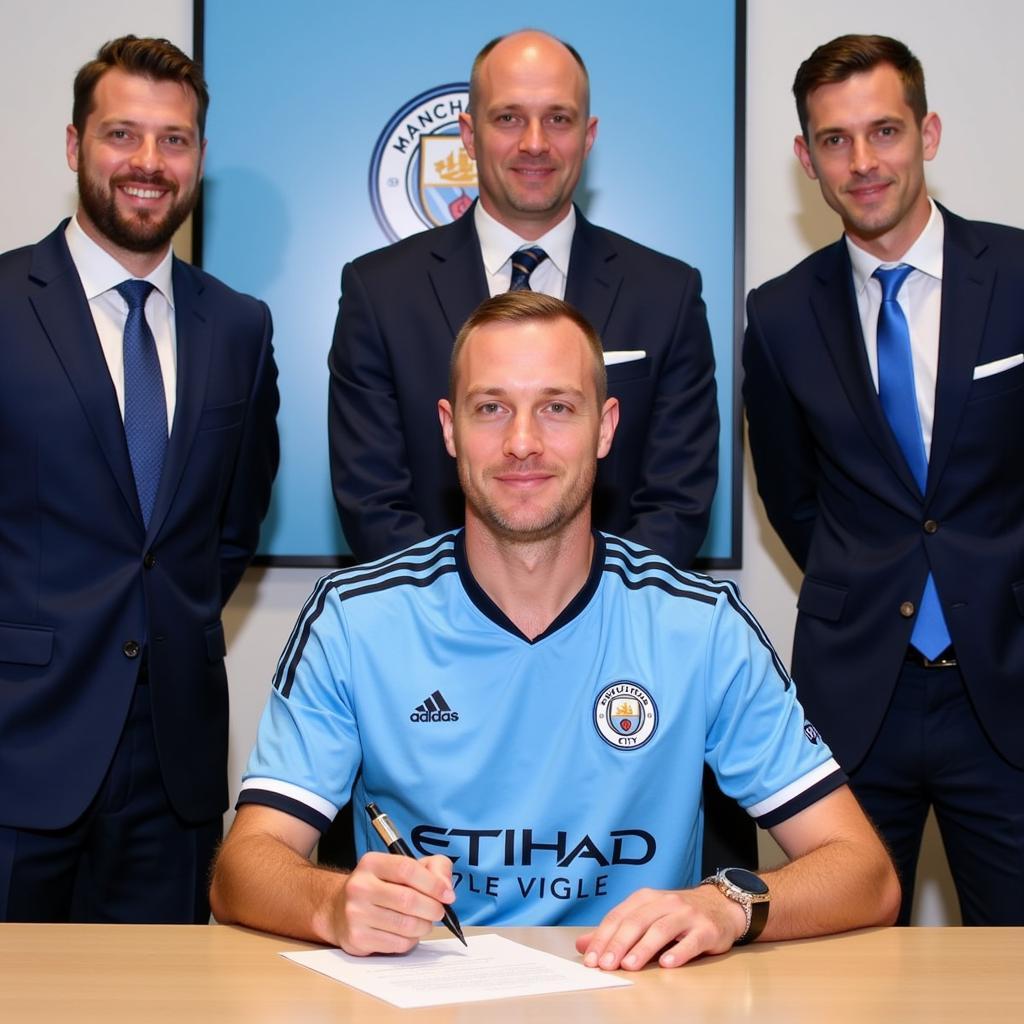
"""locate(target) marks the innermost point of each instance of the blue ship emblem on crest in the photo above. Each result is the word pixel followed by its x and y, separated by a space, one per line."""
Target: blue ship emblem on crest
pixel 420 173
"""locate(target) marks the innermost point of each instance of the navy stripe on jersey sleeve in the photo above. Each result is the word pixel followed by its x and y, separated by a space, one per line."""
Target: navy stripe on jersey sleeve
pixel 804 799
pixel 356 582
pixel 280 802
pixel 646 568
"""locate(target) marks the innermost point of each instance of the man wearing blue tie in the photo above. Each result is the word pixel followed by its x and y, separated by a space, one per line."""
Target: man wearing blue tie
pixel 137 448
pixel 884 379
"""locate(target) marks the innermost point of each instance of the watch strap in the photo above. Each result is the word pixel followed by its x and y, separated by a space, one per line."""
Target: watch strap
pixel 757 918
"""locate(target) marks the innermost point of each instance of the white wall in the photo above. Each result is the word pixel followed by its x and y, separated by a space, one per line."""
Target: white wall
pixel 42 44
pixel 974 80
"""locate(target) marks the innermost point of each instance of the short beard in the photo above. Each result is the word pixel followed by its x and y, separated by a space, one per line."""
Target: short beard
pixel 564 511
pixel 140 234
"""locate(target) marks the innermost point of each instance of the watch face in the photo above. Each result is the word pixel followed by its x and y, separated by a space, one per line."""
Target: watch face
pixel 746 880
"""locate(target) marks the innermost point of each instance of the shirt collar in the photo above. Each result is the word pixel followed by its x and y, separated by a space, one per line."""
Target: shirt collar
pixel 497 242
pixel 486 606
pixel 924 255
pixel 100 272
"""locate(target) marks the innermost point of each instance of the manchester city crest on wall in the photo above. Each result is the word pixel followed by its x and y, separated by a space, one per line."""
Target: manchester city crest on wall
pixel 420 173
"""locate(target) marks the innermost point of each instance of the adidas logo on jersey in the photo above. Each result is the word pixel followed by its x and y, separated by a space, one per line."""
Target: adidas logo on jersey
pixel 434 709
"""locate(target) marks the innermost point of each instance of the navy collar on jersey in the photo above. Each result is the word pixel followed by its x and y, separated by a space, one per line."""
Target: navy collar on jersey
pixel 479 597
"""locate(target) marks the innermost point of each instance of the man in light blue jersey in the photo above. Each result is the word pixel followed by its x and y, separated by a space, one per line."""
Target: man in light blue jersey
pixel 533 702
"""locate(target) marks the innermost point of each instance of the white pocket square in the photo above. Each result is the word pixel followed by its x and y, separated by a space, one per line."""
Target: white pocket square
pixel 998 366
pixel 626 355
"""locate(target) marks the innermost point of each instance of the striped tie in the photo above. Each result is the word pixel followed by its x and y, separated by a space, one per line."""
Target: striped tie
pixel 524 263
pixel 145 404
pixel 898 396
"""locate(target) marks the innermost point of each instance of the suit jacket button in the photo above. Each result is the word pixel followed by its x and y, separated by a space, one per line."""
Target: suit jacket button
pixel 907 609
pixel 150 560
pixel 930 526
pixel 131 648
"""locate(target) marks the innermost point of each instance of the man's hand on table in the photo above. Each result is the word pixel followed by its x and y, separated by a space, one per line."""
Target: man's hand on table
pixel 677 924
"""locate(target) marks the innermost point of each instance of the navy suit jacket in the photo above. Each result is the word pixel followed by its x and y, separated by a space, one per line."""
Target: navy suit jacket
pixel 840 494
pixel 401 308
pixel 85 589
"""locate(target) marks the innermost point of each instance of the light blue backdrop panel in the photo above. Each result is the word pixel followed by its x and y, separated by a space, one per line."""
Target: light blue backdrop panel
pixel 302 92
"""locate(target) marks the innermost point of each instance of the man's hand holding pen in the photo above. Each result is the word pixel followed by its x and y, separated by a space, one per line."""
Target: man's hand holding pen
pixel 389 903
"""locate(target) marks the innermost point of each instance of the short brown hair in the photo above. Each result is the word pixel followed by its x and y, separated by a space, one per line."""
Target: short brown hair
pixel 474 75
pixel 157 59
pixel 849 55
pixel 523 307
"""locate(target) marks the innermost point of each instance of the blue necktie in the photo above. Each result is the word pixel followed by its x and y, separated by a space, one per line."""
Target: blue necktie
pixel 899 402
pixel 524 263
pixel 145 404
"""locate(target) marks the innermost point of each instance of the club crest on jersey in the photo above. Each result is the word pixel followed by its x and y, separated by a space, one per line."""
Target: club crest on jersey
pixel 420 173
pixel 625 715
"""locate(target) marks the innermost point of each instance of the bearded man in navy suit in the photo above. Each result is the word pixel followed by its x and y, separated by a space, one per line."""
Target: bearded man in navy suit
pixel 137 409
pixel 530 130
pixel 885 395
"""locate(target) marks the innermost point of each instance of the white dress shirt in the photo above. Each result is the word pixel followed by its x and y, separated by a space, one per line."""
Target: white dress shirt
pixel 100 274
pixel 920 298
pixel 498 243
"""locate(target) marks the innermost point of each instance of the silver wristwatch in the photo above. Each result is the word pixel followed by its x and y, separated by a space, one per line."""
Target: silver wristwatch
pixel 748 890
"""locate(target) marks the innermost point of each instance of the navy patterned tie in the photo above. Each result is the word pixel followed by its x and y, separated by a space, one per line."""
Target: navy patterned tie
pixel 898 396
pixel 524 263
pixel 145 404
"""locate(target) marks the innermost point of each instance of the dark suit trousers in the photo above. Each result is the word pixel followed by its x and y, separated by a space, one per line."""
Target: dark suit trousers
pixel 932 752
pixel 129 859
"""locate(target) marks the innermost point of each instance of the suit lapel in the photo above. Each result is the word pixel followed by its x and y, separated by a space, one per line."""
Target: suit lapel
pixel 457 271
pixel 967 281
pixel 64 313
pixel 594 275
pixel 835 308
pixel 194 347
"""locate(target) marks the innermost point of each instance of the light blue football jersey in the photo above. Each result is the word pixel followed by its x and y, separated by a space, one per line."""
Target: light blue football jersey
pixel 559 775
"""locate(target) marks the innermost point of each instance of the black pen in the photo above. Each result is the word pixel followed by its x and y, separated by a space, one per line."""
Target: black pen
pixel 396 844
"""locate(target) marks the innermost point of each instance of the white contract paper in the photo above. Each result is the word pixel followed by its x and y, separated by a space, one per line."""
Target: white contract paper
pixel 444 971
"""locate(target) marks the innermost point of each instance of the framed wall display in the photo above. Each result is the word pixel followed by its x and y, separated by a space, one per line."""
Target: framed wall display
pixel 333 131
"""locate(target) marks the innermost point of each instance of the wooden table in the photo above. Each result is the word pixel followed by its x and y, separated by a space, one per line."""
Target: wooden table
pixel 195 975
